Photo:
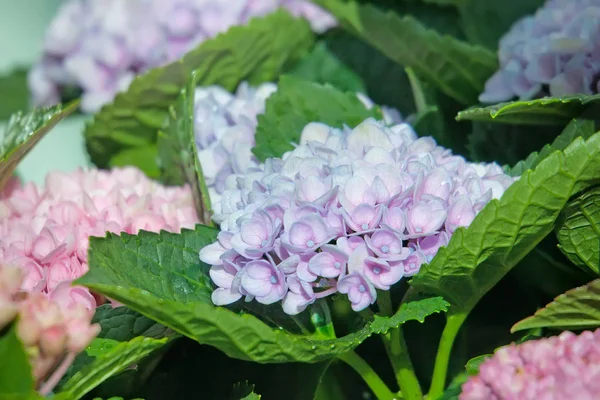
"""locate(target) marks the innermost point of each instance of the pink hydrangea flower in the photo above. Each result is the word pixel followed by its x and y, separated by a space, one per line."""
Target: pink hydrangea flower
pixel 44 231
pixel 553 52
pixel 53 333
pixel 225 126
pixel 560 367
pixel 348 211
pixel 99 47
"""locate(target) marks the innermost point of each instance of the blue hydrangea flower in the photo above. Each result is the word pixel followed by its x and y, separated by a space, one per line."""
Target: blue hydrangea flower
pixel 554 52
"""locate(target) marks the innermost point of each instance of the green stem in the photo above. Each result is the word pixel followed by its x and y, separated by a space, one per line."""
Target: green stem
pixel 405 373
pixel 377 386
pixel 397 351
pixel 442 358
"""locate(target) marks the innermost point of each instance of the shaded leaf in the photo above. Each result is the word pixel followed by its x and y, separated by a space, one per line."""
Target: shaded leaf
pixel 24 131
pixel 544 111
pixel 576 128
pixel 374 68
pixel 15 374
pixel 507 144
pixel 507 229
pixel 578 230
pixel 578 308
pixel 485 22
pixel 298 102
pixel 431 13
pixel 456 68
pixel 178 156
pixel 256 52
pixel 124 324
pixel 322 66
pixel 119 324
pixel 15 93
pixel 454 390
pixel 109 364
pixel 165 281
pixel 243 391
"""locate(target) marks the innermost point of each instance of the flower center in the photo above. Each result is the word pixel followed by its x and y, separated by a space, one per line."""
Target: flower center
pixel 376 270
pixel 385 249
pixel 337 264
pixel 310 243
pixel 418 229
pixel 264 243
pixel 273 279
pixel 362 288
pixel 411 265
pixel 365 227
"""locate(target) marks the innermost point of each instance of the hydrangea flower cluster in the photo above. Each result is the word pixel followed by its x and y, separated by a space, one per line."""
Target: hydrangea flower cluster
pixel 347 211
pixel 44 231
pixel 52 333
pixel 99 46
pixel 555 51
pixel 561 367
pixel 225 126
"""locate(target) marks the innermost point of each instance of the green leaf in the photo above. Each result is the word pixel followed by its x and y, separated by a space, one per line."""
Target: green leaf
pixel 576 128
pixel 374 68
pixel 100 346
pixel 109 364
pixel 119 324
pixel 256 52
pixel 473 364
pixel 15 93
pixel 507 144
pixel 578 230
pixel 178 156
pixel 165 263
pixel 298 102
pixel 322 66
pixel 115 398
pixel 444 20
pixel 506 230
pixel 15 374
pixel 144 157
pixel 124 324
pixel 578 308
pixel 544 111
pixel 455 388
pixel 455 67
pixel 165 281
pixel 243 391
pixel 24 131
pixel 485 22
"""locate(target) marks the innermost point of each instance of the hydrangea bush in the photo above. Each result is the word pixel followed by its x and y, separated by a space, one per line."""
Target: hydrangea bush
pixel 225 127
pixel 44 230
pixel 558 367
pixel 347 211
pixel 100 47
pixel 256 211
pixel 553 52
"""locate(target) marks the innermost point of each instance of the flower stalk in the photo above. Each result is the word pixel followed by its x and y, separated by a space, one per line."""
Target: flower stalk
pixel 375 383
pixel 453 323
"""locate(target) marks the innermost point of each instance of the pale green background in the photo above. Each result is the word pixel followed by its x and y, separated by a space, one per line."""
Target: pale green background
pixel 22 27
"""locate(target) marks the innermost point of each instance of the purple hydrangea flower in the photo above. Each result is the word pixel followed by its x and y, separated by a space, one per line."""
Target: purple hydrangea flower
pixel 347 211
pixel 99 46
pixel 225 125
pixel 560 367
pixel 553 52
